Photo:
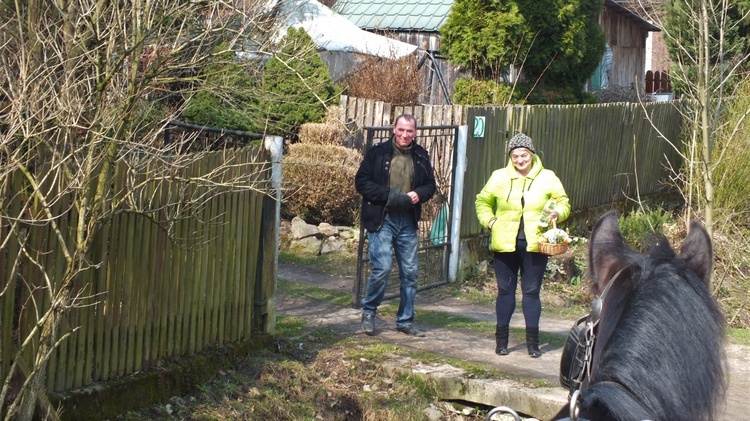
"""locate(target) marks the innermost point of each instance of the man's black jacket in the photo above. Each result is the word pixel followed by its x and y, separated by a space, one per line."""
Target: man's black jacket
pixel 373 182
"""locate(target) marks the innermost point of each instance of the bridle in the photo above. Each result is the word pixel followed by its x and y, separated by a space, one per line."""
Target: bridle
pixel 589 334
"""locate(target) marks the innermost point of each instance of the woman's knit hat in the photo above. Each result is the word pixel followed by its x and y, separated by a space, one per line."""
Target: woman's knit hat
pixel 520 141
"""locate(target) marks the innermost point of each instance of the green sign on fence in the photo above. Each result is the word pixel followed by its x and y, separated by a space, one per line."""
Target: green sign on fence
pixel 479 126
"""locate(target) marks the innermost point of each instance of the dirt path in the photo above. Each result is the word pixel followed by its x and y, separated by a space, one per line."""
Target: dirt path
pixel 465 345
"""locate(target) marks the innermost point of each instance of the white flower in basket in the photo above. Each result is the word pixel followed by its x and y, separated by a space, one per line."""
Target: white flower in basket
pixel 555 236
pixel 554 241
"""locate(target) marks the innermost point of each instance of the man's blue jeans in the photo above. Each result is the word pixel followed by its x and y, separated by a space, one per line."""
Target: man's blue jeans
pixel 399 234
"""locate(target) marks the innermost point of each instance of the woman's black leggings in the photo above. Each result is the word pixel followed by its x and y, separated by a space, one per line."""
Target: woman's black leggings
pixel 531 266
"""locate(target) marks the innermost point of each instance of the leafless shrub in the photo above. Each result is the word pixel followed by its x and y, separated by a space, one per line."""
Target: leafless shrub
pixel 394 81
pixel 620 94
pixel 328 133
pixel 319 183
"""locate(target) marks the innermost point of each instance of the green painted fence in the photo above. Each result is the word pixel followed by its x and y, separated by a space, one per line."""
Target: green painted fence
pixel 603 153
pixel 153 297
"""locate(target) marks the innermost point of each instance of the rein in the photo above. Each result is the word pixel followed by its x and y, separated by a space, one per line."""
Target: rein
pixel 592 321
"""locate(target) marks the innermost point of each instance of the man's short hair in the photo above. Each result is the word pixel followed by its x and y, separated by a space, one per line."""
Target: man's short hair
pixel 407 117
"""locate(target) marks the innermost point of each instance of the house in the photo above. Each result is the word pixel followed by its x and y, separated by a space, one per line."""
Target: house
pixel 415 22
pixel 418 23
pixel 339 42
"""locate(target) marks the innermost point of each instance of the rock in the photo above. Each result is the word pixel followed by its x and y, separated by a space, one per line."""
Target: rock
pixel 332 245
pixel 301 229
pixel 308 246
pixel 327 229
pixel 433 414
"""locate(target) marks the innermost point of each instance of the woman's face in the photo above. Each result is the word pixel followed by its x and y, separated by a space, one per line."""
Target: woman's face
pixel 521 158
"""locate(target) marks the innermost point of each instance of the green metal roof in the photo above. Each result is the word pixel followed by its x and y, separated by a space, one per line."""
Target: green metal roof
pixel 414 15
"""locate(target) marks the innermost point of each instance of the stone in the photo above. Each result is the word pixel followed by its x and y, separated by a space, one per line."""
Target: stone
pixel 327 229
pixel 433 414
pixel 332 245
pixel 308 246
pixel 301 229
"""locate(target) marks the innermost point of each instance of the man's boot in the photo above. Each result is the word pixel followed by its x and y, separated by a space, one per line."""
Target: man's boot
pixel 501 339
pixel 532 342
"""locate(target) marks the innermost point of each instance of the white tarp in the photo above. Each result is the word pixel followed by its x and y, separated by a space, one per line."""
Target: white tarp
pixel 333 32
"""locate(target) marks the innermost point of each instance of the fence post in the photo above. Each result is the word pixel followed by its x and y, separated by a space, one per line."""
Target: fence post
pixel 456 203
pixel 266 302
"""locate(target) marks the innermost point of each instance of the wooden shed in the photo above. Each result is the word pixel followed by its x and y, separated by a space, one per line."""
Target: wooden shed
pixel 626 34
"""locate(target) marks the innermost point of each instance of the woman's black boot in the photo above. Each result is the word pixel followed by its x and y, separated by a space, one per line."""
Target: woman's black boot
pixel 532 342
pixel 501 339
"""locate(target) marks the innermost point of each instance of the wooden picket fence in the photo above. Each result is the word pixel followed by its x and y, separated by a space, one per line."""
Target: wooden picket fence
pixel 156 292
pixel 358 113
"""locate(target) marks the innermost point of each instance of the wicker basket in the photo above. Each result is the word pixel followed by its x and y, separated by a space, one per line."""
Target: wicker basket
pixel 552 249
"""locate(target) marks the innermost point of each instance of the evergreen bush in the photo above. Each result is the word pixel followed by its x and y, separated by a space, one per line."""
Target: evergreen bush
pixel 639 227
pixel 469 91
pixel 297 86
pixel 236 112
pixel 319 184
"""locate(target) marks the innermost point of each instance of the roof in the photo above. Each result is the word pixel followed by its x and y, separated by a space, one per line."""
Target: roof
pixel 333 32
pixel 430 15
pixel 396 15
pixel 620 7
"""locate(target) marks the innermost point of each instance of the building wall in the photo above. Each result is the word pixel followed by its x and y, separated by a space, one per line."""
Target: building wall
pixel 628 42
pixel 659 56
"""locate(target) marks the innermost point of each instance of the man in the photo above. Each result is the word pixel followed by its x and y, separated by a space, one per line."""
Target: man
pixel 394 179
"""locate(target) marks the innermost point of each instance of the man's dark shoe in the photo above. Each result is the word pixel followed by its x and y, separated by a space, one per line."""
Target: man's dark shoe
pixel 368 323
pixel 410 330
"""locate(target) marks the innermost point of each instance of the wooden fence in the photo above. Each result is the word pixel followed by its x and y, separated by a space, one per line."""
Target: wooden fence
pixel 602 153
pixel 357 113
pixel 150 297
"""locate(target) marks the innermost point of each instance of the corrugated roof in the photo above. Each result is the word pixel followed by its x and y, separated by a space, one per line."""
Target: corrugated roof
pixel 414 15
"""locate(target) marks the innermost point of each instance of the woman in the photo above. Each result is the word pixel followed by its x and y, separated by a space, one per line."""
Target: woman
pixel 510 205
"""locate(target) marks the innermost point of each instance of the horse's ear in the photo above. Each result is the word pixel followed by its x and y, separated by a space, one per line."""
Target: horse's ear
pixel 697 252
pixel 605 250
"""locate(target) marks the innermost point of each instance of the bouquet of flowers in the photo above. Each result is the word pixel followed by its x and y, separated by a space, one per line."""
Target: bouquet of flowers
pixel 555 236
pixel 554 241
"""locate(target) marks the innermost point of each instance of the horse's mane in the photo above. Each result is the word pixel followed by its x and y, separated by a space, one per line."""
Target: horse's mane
pixel 659 351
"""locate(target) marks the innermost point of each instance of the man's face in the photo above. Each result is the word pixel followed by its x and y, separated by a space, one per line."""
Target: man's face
pixel 405 131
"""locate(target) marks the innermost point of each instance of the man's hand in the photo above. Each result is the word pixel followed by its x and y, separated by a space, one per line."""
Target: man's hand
pixel 398 199
pixel 414 197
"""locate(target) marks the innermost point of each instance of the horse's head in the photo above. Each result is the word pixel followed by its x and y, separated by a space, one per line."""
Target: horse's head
pixel 609 254
pixel 658 352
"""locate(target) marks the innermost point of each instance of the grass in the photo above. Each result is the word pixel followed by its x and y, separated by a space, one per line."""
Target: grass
pixel 310 292
pixel 316 373
pixel 739 336
pixel 312 374
pixel 344 264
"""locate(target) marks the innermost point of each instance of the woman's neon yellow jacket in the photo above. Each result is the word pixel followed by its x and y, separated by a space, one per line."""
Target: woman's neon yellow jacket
pixel 501 199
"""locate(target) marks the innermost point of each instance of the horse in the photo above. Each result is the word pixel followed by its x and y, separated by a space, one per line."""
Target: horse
pixel 658 347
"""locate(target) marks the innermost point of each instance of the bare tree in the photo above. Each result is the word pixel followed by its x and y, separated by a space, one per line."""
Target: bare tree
pixel 87 86
pixel 706 66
